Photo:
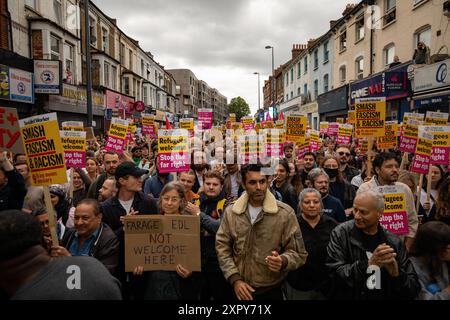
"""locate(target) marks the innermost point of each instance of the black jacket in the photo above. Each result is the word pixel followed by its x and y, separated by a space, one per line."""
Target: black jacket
pixel 105 248
pixel 348 262
pixel 288 194
pixel 13 193
pixel 96 185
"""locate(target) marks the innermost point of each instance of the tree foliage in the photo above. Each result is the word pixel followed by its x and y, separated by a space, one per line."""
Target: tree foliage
pixel 240 107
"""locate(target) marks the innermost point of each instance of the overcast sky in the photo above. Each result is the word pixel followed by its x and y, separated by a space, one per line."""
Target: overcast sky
pixel 222 41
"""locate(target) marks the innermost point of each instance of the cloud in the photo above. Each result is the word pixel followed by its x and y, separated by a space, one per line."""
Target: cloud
pixel 223 42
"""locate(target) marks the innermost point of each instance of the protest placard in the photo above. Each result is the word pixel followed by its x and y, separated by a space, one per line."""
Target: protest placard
pixel 390 140
pixel 232 117
pixel 10 137
pixel 408 138
pixel 158 242
pixel 370 117
pixel 205 117
pixel 351 117
pixel 74 145
pixel 333 129
pixel 44 150
pixel 250 148
pixel 268 124
pixel 412 116
pixel 148 125
pixel 188 124
pixel 117 135
pixel 72 126
pixel 436 118
pixel 296 128
pixel 248 123
pixel 279 124
pixel 323 127
pixel 302 148
pixel 441 144
pixel 274 140
pixel 395 217
pixel 173 151
pixel 340 120
pixel 345 133
pixel 422 158
pixel 315 140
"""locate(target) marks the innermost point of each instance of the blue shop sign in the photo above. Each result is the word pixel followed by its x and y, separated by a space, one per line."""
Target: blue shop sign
pixel 432 101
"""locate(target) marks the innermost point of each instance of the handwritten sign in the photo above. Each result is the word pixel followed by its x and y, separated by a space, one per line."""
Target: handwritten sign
pixel 370 117
pixel 117 135
pixel 44 150
pixel 158 242
pixel 74 145
pixel 173 151
pixel 395 218
pixel 10 138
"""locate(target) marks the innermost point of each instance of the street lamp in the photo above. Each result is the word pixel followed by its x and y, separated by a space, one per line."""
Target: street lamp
pixel 273 83
pixel 259 92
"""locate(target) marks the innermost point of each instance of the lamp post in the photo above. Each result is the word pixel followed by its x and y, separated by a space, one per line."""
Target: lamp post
pixel 259 91
pixel 273 84
pixel 88 64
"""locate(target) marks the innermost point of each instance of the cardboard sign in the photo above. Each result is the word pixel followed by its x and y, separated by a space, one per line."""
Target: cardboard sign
pixel 345 133
pixel 323 127
pixel 437 118
pixel 422 159
pixel 370 117
pixel 364 146
pixel 408 139
pixel 74 145
pixel 158 242
pixel 72 126
pixel 441 144
pixel 314 139
pixel 173 151
pixel 205 117
pixel 117 135
pixel 296 129
pixel 389 141
pixel 395 217
pixel 10 137
pixel 44 150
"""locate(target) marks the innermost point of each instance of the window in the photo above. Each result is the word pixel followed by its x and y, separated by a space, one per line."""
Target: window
pixel 68 59
pixel 343 74
pixel 316 89
pixel 122 54
pixel 105 40
pixel 359 68
pixel 130 56
pixel 145 94
pixel 106 74
pixel 389 11
pixel 388 54
pixel 113 78
pixel 298 91
pixel 343 41
pixel 326 52
pixel 359 32
pixel 57 9
pixel 305 89
pixel 424 35
pixel 126 85
pixel 292 75
pixel 55 47
pixel 286 80
pixel 305 63
pixel 299 70
pixel 93 28
pixel 287 97
pixel 31 4
pixel 316 59
pixel 292 94
pixel 325 83
pixel 142 68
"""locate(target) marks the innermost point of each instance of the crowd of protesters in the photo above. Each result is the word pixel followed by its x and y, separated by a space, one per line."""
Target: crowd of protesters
pixel 308 230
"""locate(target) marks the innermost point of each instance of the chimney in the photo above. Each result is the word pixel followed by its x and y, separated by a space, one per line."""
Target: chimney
pixel 348 8
pixel 311 42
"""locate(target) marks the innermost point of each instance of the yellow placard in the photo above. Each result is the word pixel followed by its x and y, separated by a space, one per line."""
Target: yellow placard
pixel 232 117
pixel 436 118
pixel 237 125
pixel 351 117
pixel 44 150
pixel 296 129
pixel 187 124
pixel 279 124
pixel 118 128
pixel 148 120
pixel 340 120
pixel 424 145
pixel 390 140
pixel 72 126
pixel 345 130
pixel 412 116
pixel 370 117
pixel 394 202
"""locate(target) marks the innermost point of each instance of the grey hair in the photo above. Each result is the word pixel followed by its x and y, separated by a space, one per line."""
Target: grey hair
pixel 315 173
pixel 305 192
pixel 377 197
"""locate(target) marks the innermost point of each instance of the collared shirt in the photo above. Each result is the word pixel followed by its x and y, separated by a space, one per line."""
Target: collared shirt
pixel 86 247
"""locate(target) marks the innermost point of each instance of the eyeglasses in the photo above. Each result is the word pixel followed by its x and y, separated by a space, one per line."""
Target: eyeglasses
pixel 346 153
pixel 172 199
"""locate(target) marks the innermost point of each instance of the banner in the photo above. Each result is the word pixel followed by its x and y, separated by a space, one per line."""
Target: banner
pixel 395 217
pixel 345 133
pixel 323 127
pixel 74 145
pixel 248 123
pixel 389 141
pixel 408 139
pixel 148 125
pixel 205 117
pixel 296 129
pixel 436 118
pixel 72 126
pixel 43 147
pixel 173 151
pixel 441 144
pixel 370 117
pixel 117 135
pixel 422 159
pixel 159 242
pixel 47 76
pixel 10 137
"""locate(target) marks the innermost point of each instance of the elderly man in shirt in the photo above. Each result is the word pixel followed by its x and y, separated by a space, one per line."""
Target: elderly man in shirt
pixel 90 237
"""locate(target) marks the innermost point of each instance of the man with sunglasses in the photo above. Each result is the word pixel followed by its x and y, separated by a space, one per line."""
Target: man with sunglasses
pixel 348 171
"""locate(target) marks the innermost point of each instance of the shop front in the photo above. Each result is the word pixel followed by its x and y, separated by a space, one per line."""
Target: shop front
pixel 311 112
pixel 392 84
pixel 431 86
pixel 333 104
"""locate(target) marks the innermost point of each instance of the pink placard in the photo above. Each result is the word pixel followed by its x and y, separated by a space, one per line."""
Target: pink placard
pixel 205 120
pixel 395 222
pixel 274 150
pixel 333 129
pixel 174 162
pixel 314 145
pixel 407 144
pixel 343 140
pixel 440 155
pixel 420 164
pixel 115 144
pixel 75 159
